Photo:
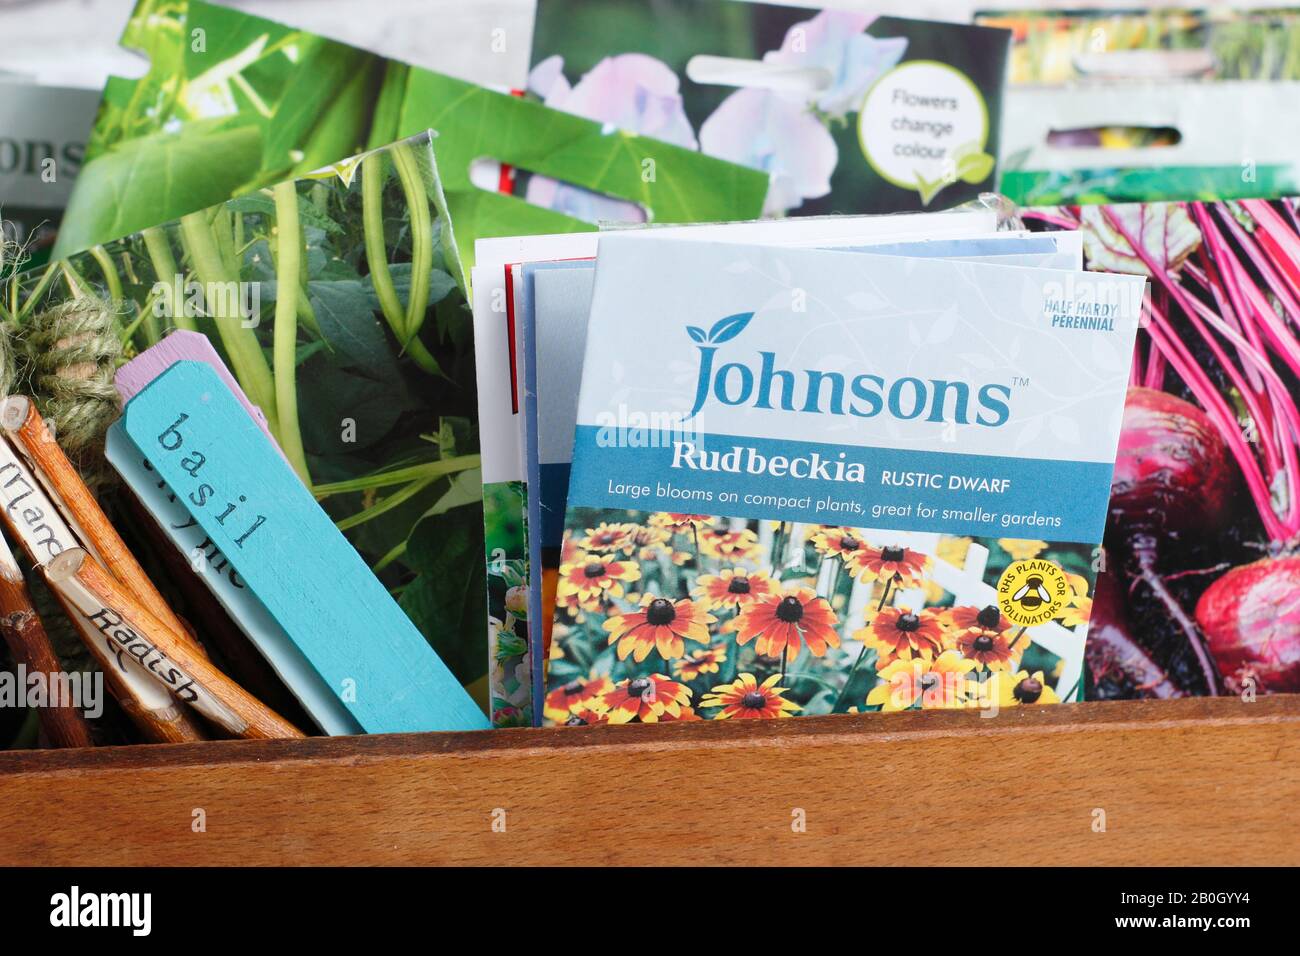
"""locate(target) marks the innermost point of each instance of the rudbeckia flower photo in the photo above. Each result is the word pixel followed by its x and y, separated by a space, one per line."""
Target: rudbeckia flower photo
pixel 728 545
pixel 704 600
pixel 987 618
pixel 680 523
pixel 575 695
pixel 591 577
pixel 585 717
pixel 937 684
pixel 703 661
pixel 732 588
pixel 902 567
pixel 659 624
pixel 847 544
pixel 646 542
pixel 898 633
pixel 990 649
pixel 788 621
pixel 1012 690
pixel 745 698
pixel 606 537
pixel 646 699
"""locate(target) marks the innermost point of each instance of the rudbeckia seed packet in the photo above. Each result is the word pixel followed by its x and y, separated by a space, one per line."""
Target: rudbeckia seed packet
pixel 845 111
pixel 498 348
pixel 554 307
pixel 810 482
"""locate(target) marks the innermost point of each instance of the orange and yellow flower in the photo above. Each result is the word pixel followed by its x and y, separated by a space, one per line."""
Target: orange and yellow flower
pixel 702 661
pixel 728 545
pixel 1076 612
pixel 972 618
pixel 592 577
pixel 585 717
pixel 732 588
pixel 789 620
pixel 646 542
pixel 575 695
pixel 847 544
pixel 989 648
pixel 679 523
pixel 647 699
pixel 901 566
pixel 897 633
pixel 937 684
pixel 746 698
pixel 686 713
pixel 1022 550
pixel 660 623
pixel 606 537
pixel 1012 690
pixel 1079 608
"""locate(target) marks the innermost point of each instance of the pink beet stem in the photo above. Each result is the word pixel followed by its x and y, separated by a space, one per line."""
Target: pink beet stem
pixel 1185 365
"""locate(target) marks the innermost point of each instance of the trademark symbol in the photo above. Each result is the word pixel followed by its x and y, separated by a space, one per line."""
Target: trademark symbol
pixel 1019 381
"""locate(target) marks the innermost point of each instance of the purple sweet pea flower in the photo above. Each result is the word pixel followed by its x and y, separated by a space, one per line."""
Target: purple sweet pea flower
pixel 778 134
pixel 834 41
pixel 631 92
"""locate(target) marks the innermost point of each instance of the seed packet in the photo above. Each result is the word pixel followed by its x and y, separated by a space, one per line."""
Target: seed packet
pixel 42 141
pixel 555 307
pixel 859 483
pixel 498 334
pixel 1202 585
pixel 1061 46
pixel 1147 106
pixel 846 112
pixel 233 103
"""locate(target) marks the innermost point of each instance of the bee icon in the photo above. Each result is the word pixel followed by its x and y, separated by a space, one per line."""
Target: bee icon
pixel 1033 594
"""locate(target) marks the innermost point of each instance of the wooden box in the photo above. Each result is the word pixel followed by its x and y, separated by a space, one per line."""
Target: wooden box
pixel 1181 782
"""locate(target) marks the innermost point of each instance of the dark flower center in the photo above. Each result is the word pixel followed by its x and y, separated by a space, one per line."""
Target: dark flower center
pixel 1028 690
pixel 989 618
pixel 892 554
pixel 790 610
pixel 573 687
pixel 738 586
pixel 849 543
pixel 753 701
pixel 639 687
pixel 983 644
pixel 594 570
pixel 575 721
pixel 660 612
pixel 908 622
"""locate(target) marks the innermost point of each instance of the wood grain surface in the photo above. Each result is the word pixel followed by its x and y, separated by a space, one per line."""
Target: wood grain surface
pixel 1180 782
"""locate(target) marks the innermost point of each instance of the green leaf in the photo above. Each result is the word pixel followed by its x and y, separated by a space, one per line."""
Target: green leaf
pixel 142 182
pixel 345 311
pixel 447 601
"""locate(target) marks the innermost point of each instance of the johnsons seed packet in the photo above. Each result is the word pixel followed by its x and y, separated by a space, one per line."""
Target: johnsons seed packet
pixel 810 482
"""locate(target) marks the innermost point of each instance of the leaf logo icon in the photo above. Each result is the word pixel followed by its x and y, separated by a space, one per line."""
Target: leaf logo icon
pixel 723 330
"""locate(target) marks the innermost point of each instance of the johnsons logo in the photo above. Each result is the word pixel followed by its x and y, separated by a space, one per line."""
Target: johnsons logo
pixel 832 393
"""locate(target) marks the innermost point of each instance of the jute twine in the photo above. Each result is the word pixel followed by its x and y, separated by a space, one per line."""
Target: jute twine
pixel 72 351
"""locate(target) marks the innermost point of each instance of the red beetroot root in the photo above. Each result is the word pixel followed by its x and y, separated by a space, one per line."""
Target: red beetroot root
pixel 1251 616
